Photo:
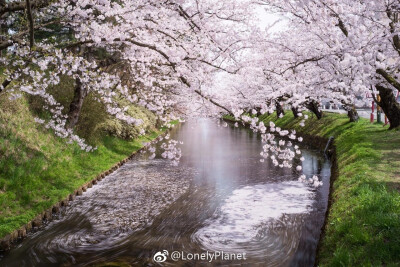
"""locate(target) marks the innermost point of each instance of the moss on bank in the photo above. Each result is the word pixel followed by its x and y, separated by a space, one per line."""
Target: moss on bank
pixel 38 169
pixel 363 226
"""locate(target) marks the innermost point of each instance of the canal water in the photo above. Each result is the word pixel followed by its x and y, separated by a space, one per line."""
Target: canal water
pixel 220 199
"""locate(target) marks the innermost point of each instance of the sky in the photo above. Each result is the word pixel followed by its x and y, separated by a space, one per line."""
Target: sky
pixel 267 19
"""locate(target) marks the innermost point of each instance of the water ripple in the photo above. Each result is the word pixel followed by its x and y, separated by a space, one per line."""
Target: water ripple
pixel 259 220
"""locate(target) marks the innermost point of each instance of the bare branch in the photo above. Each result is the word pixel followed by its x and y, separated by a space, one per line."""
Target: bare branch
pixel 21 5
pixel 16 38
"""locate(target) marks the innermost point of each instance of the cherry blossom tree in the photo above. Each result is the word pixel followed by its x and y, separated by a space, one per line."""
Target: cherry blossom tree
pixel 340 50
pixel 174 57
pixel 166 47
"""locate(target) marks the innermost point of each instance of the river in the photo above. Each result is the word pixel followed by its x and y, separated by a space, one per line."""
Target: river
pixel 220 198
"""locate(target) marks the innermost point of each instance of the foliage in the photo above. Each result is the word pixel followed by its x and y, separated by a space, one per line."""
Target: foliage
pixel 121 129
pixel 94 121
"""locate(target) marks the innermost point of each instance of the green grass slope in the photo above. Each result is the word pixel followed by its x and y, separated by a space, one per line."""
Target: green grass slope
pixel 38 169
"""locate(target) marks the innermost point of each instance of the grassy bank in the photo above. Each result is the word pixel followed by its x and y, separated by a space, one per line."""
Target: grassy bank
pixel 363 226
pixel 38 169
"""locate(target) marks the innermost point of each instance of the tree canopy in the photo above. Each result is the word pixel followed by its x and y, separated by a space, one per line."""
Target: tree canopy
pixel 177 57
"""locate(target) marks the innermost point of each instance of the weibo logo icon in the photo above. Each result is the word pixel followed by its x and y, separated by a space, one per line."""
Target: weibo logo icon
pixel 160 256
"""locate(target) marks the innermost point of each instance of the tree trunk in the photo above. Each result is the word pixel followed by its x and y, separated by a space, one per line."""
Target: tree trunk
pixel 389 106
pixel 313 106
pixel 76 104
pixel 352 113
pixel 279 109
pixel 3 30
pixel 31 23
pixel 4 85
pixel 258 109
pixel 295 112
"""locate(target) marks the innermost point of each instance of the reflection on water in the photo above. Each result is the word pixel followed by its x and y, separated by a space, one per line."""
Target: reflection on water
pixel 245 219
pixel 220 197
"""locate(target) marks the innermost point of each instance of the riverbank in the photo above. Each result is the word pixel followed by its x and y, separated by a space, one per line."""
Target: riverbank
pixel 39 171
pixel 363 225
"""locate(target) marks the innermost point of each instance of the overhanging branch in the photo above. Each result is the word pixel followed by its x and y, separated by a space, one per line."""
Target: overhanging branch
pixel 213 102
pixel 392 81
